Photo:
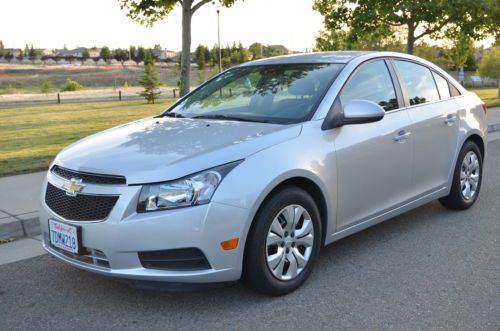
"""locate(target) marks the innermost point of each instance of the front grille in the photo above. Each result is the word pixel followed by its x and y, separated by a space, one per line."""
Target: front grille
pixel 182 259
pixel 81 207
pixel 88 178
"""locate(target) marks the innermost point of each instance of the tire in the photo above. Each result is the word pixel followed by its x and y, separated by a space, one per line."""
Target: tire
pixel 457 199
pixel 287 256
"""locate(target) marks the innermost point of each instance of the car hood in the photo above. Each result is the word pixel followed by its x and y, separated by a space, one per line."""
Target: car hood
pixel 161 149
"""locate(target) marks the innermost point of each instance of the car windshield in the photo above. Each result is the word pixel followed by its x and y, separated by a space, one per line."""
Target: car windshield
pixel 281 94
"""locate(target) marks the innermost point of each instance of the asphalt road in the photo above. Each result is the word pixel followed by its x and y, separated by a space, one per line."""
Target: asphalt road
pixel 429 268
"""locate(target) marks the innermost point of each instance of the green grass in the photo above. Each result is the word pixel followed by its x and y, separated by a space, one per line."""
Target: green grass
pixel 30 137
pixel 489 96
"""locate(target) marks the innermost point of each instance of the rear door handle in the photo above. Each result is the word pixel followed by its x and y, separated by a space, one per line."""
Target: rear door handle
pixel 450 119
pixel 402 136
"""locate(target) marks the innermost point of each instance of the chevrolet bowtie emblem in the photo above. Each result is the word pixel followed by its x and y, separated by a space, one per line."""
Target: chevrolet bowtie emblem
pixel 73 187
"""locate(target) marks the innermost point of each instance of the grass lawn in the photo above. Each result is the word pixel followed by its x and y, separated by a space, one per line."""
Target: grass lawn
pixel 30 137
pixel 489 96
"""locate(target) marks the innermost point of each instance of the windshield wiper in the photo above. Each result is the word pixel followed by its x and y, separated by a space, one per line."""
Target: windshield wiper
pixel 229 118
pixel 173 114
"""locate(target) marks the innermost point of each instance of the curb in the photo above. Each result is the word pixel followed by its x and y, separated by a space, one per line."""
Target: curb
pixel 28 225
pixel 20 226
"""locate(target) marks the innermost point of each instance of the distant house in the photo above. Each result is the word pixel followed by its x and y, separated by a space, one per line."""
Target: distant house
pixel 164 54
pixel 279 49
pixel 44 51
pixel 94 52
pixel 77 52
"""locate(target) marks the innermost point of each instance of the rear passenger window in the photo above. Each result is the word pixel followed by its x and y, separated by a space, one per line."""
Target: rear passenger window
pixel 419 82
pixel 443 88
pixel 371 82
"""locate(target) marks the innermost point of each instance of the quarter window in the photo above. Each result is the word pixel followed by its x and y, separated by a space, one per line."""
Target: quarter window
pixel 419 82
pixel 443 88
pixel 371 82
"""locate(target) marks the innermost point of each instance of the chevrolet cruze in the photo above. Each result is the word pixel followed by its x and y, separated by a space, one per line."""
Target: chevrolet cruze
pixel 249 175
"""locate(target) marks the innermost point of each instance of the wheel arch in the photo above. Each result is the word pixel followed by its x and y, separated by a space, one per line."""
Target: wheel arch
pixel 478 140
pixel 312 188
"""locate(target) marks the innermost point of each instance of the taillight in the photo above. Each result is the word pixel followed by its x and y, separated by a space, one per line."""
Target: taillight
pixel 484 107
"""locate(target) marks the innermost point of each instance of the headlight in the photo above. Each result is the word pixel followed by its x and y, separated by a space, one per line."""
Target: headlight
pixel 196 189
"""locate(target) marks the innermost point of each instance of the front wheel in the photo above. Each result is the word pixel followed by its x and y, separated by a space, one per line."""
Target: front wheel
pixel 283 242
pixel 466 179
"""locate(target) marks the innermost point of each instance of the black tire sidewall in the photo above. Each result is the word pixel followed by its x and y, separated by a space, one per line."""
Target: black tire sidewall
pixel 256 272
pixel 456 190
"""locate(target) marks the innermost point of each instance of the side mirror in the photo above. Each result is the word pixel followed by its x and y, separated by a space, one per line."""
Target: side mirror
pixel 362 111
pixel 355 112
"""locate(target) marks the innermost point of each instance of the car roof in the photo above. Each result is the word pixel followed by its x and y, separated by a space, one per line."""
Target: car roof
pixel 320 57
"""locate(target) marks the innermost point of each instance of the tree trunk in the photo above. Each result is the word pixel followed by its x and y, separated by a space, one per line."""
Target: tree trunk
pixel 186 47
pixel 410 40
pixel 498 93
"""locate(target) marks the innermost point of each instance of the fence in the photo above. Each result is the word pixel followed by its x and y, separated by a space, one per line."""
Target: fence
pixel 68 98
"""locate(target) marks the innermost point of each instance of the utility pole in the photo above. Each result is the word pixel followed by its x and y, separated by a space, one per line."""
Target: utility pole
pixel 218 40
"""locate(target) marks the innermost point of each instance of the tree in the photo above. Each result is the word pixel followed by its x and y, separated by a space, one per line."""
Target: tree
pixel 422 18
pixel 462 47
pixel 256 51
pixel 121 54
pixel 490 66
pixel 1 45
pixel 150 11
pixel 85 54
pixel 46 87
pixel 149 79
pixel 105 53
pixel 200 55
pixel 141 53
pixel 132 51
pixel 32 53
pixel 71 85
pixel 9 56
pixel 148 57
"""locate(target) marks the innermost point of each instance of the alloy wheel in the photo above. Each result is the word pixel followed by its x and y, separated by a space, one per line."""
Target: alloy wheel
pixel 470 173
pixel 289 242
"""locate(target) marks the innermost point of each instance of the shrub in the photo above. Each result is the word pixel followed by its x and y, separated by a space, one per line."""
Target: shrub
pixel 71 85
pixel 46 87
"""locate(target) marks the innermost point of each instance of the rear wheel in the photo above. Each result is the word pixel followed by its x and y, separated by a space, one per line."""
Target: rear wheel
pixel 283 242
pixel 466 179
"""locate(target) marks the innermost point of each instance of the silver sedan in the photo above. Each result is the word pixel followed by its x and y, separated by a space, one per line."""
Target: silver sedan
pixel 249 175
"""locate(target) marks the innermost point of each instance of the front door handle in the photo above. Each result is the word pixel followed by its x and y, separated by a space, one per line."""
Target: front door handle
pixel 450 119
pixel 402 136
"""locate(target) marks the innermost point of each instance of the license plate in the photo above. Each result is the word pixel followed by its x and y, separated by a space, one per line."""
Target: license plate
pixel 65 236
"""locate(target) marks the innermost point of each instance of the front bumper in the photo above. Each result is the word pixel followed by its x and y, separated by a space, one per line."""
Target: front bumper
pixel 113 244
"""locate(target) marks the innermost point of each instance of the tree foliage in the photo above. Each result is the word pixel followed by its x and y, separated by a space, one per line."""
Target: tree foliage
pixel 150 80
pixel 148 12
pixel 71 85
pixel 490 65
pixel 105 53
pixel 462 47
pixel 439 18
pixel 85 54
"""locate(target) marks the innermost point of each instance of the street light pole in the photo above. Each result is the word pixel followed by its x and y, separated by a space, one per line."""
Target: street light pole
pixel 218 42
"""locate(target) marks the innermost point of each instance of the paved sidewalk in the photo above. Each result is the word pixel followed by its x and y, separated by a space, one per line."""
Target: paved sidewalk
pixel 21 249
pixel 19 195
pixel 19 204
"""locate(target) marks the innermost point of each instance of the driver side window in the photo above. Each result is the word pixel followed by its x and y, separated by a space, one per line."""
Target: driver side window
pixel 371 82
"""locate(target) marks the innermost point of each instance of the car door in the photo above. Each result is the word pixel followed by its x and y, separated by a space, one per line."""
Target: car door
pixel 374 160
pixel 434 118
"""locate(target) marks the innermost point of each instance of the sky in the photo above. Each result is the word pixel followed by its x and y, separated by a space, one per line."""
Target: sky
pixel 55 23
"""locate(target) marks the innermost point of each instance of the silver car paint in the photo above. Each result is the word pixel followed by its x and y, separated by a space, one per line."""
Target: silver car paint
pixel 363 173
